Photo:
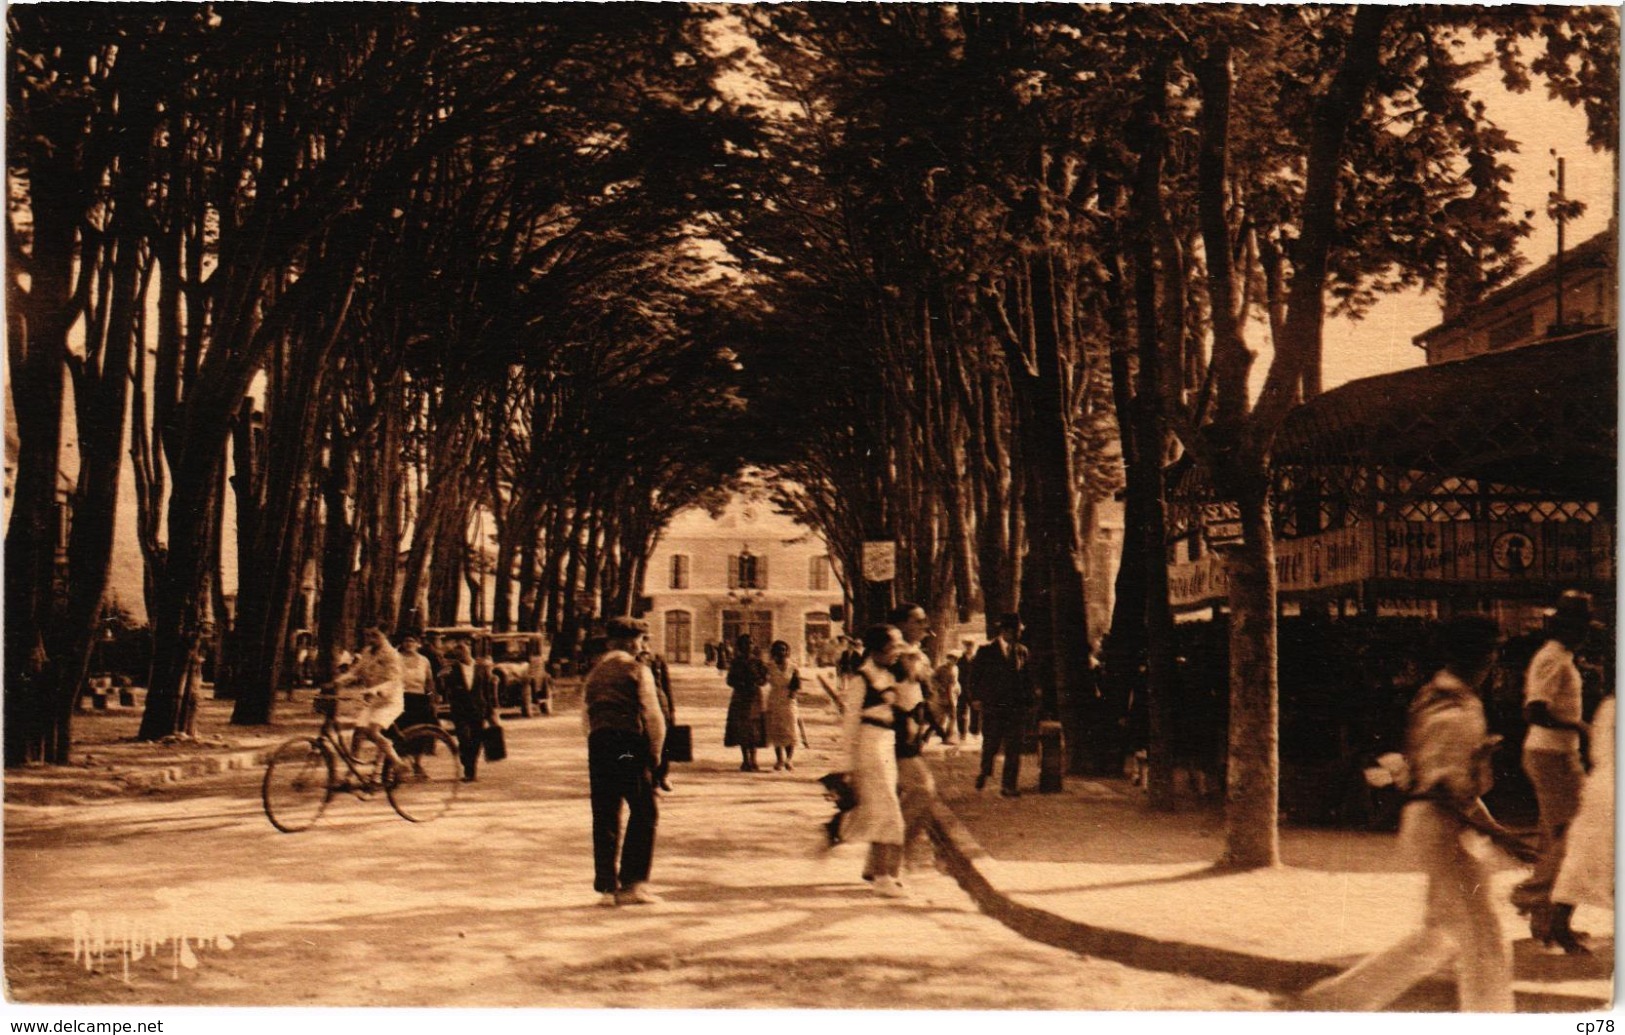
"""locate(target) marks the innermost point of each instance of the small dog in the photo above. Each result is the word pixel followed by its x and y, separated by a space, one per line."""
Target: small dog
pixel 837 789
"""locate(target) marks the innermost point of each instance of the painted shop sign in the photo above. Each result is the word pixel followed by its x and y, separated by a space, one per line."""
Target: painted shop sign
pixel 1327 559
pixel 1416 551
pixel 1493 551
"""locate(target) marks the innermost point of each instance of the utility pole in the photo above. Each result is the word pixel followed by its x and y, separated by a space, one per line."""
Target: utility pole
pixel 1559 211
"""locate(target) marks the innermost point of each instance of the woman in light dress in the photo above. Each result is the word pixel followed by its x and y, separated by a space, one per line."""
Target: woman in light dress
pixel 878 819
pixel 1587 876
pixel 783 716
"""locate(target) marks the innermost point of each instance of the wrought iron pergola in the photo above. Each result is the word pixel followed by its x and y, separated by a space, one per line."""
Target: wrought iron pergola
pixel 1515 451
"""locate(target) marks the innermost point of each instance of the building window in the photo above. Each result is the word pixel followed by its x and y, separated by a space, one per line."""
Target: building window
pixel 818 572
pixel 679 571
pixel 747 571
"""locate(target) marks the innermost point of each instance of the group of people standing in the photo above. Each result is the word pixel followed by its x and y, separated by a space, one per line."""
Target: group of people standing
pixel 762 706
pixel 1448 751
pixel 896 699
pixel 403 685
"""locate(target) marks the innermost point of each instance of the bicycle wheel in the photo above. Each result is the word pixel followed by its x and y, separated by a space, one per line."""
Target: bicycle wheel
pixel 426 789
pixel 298 784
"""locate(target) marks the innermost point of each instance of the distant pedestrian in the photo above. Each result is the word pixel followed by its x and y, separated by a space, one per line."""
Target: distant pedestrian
pixel 710 653
pixel 668 709
pixel 1002 684
pixel 471 695
pixel 418 682
pixel 626 733
pixel 783 713
pixel 878 818
pixel 1551 758
pixel 745 729
pixel 1447 750
pixel 967 717
pixel 850 658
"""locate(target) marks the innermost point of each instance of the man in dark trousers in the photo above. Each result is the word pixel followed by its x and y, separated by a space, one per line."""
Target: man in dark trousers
pixel 626 734
pixel 470 690
pixel 1002 685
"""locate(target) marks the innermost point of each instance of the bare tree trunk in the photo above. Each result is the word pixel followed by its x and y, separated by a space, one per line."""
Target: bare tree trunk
pixel 1253 783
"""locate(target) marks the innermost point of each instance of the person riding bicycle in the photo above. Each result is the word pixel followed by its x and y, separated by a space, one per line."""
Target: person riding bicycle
pixel 378 669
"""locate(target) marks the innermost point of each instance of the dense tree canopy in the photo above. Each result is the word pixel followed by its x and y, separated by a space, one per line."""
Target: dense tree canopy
pixel 380 275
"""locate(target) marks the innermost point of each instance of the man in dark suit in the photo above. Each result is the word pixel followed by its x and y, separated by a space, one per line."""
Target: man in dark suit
pixel 471 693
pixel 1002 684
pixel 662 676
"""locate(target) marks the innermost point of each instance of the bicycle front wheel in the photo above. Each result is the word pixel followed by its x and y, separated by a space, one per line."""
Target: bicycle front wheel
pixel 425 789
pixel 298 784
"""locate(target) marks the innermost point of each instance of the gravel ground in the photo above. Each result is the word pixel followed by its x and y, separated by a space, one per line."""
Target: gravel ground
pixel 492 905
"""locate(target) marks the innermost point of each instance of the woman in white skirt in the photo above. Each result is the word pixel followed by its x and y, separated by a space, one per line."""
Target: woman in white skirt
pixel 878 819
pixel 378 669
pixel 1587 876
pixel 783 715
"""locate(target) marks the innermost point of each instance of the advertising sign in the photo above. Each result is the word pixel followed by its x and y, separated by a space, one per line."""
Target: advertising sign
pixel 1416 551
pixel 879 560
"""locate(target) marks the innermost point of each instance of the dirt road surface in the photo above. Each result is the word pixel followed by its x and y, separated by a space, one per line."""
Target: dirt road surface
pixel 493 905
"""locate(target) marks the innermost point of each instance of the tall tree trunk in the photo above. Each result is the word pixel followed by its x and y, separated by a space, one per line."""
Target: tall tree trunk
pixel 1253 781
pixel 37 329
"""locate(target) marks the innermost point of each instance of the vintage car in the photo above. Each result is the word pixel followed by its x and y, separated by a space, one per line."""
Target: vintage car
pixel 520 660
pixel 517 659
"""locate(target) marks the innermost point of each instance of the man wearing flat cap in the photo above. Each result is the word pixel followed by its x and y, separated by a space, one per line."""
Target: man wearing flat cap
pixel 1551 758
pixel 625 734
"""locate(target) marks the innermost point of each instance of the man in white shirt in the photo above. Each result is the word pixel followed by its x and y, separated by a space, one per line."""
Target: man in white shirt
pixel 625 734
pixel 1447 750
pixel 1551 758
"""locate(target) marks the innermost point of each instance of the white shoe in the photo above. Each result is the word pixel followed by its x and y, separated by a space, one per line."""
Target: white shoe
pixel 890 887
pixel 637 895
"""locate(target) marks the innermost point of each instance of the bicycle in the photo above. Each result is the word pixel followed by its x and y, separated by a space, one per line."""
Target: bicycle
pixel 303 773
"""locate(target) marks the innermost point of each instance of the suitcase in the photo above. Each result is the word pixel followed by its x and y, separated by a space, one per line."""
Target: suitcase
pixel 495 743
pixel 680 744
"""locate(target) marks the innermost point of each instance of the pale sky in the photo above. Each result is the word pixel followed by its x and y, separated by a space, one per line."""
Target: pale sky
pixel 1382 342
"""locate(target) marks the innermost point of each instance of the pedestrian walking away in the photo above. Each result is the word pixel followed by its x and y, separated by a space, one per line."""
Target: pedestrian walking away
pixel 1448 750
pixel 878 818
pixel 1551 758
pixel 626 733
pixel 746 727
pixel 783 713
pixel 1002 684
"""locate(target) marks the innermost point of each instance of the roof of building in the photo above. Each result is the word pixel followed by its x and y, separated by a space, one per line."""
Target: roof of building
pixel 1594 253
pixel 1541 417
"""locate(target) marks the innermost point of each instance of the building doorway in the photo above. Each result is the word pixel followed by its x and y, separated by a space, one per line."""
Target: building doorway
pixel 816 631
pixel 679 637
pixel 758 625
